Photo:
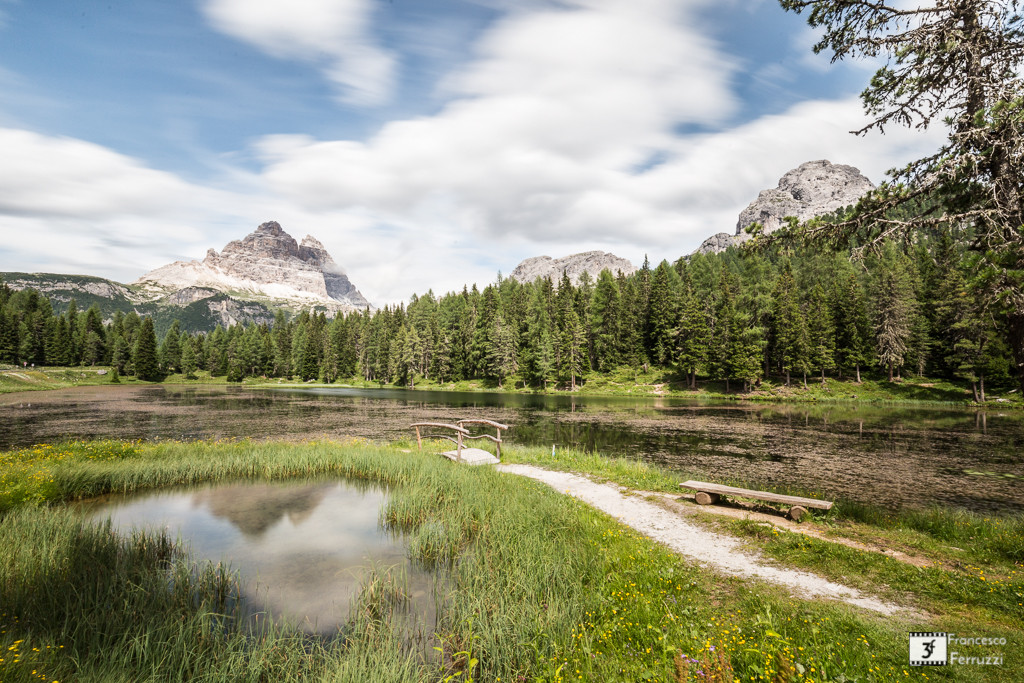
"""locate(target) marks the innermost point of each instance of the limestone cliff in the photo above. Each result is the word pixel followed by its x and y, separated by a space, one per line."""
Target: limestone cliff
pixel 814 188
pixel 574 266
pixel 267 265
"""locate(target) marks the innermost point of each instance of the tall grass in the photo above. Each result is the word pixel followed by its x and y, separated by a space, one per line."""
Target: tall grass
pixel 539 588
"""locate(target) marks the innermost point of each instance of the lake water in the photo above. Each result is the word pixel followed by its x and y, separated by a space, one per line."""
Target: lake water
pixel 899 456
pixel 301 549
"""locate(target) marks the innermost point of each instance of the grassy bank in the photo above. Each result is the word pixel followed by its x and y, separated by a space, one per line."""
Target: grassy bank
pixel 544 588
pixel 663 383
pixel 42 378
pixel 621 382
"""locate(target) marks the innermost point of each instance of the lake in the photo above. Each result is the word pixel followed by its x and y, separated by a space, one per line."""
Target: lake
pixel 903 456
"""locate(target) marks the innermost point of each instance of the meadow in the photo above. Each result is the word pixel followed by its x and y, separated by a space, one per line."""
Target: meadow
pixel 540 587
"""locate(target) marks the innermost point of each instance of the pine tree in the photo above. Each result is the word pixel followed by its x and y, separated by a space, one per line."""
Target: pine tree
pixel 8 336
pixel 691 336
pixel 662 318
pixel 188 357
pixel 121 356
pixel 851 325
pixel 440 363
pixel 792 340
pixel 144 358
pixel 821 331
pixel 604 322
pixel 170 350
pixel 503 359
pixel 893 298
pixel 572 348
pixel 538 350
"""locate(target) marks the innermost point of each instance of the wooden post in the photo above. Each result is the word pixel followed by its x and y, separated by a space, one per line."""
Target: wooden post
pixel 419 439
pixel 497 442
pixel 459 449
pixel 704 498
pixel 796 512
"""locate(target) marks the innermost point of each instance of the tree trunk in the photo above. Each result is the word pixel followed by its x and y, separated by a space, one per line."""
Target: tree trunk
pixel 787 377
pixel 890 372
pixel 981 383
pixel 974 389
pixel 858 372
pixel 823 375
pixel 727 385
pixel 805 379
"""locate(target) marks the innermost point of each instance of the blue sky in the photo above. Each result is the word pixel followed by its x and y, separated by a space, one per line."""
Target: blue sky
pixel 426 144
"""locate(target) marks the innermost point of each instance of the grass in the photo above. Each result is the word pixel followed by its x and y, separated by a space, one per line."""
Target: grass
pixel 542 587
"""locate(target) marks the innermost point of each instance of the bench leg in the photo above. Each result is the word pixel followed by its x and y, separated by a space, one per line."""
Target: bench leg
pixel 706 498
pixel 797 512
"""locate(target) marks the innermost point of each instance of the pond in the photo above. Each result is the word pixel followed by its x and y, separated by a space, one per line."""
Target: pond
pixel 301 549
pixel 901 456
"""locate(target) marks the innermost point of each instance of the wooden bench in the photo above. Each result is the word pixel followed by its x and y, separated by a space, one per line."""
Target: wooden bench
pixel 709 493
pixel 473 456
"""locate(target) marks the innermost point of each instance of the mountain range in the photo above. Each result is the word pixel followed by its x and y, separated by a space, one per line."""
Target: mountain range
pixel 268 269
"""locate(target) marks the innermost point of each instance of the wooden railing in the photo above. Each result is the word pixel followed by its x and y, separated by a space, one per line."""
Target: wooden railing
pixel 460 433
pixel 497 431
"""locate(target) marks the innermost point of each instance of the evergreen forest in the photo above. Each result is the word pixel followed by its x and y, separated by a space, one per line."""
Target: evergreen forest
pixel 739 317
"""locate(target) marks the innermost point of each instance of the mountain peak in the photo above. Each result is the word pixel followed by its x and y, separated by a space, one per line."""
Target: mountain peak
pixel 269 265
pixel 814 188
pixel 573 265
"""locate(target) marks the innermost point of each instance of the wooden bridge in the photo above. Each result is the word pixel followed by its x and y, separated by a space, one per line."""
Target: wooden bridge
pixel 471 456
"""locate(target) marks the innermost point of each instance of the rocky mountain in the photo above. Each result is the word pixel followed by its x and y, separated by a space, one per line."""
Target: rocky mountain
pixel 250 278
pixel 814 188
pixel 574 266
pixel 267 266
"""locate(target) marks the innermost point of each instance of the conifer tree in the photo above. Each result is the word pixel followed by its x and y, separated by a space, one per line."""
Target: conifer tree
pixel 170 349
pixel 144 358
pixel 572 348
pixel 538 351
pixel 8 335
pixel 691 336
pixel 503 358
pixel 893 298
pixel 188 357
pixel 851 323
pixel 121 355
pixel 662 314
pixel 440 362
pixel 792 341
pixel 604 322
pixel 821 331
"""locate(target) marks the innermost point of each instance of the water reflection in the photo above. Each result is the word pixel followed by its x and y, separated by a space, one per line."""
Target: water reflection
pixel 301 549
pixel 897 456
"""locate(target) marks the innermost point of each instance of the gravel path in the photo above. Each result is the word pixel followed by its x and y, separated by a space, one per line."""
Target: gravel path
pixel 722 553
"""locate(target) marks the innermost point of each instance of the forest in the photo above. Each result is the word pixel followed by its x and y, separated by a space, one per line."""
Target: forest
pixel 743 316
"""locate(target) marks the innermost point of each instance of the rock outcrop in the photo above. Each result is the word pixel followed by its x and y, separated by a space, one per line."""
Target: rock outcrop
pixel 814 188
pixel 269 266
pixel 574 266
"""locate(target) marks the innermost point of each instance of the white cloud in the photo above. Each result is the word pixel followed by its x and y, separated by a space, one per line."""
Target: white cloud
pixel 547 124
pixel 543 147
pixel 74 203
pixel 334 34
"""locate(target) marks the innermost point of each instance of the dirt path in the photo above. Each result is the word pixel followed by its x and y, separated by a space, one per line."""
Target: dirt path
pixel 716 551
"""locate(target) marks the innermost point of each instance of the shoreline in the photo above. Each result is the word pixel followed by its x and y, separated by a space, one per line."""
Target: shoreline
pixel 838 392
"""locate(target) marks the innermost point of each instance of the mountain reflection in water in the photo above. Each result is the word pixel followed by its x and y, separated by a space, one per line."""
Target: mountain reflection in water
pixel 301 549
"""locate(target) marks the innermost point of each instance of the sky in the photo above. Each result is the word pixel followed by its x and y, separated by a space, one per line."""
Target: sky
pixel 428 144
